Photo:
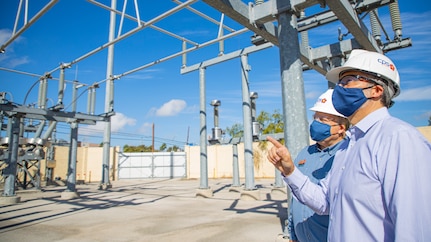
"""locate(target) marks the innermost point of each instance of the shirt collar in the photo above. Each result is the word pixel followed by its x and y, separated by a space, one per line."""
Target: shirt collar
pixel 359 130
pixel 366 123
pixel 331 149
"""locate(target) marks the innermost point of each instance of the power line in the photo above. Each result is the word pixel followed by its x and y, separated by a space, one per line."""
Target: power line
pixel 121 136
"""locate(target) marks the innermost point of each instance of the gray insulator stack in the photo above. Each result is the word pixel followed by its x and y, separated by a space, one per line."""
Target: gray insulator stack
pixel 396 20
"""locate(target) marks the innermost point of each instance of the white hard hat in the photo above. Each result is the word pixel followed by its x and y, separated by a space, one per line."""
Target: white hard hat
pixel 371 62
pixel 324 104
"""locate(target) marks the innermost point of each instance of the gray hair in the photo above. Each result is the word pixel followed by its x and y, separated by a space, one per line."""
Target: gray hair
pixel 388 91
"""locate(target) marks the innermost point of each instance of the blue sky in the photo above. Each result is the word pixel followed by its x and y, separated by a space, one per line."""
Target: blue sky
pixel 160 95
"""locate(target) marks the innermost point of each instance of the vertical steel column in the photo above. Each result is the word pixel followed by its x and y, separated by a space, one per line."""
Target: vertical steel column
pixel 43 85
pixel 61 87
pixel 9 173
pixel 253 107
pixel 295 117
pixel 89 100
pixel 278 180
pixel 248 136
pixel 184 56
pixel 21 127
pixel 216 122
pixel 71 170
pixel 50 151
pixel 40 93
pixel 109 101
pixel 235 165
pixel 74 95
pixel 93 99
pixel 203 131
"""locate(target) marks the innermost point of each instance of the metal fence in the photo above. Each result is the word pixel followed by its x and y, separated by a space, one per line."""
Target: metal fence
pixel 151 165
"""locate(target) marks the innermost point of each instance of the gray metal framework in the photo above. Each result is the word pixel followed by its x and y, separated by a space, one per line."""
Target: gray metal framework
pixel 271 23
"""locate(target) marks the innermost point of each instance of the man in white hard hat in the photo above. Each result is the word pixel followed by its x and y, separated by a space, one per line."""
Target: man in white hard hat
pixel 328 129
pixel 378 187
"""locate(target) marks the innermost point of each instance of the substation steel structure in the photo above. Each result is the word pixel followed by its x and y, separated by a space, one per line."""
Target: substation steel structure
pixel 281 23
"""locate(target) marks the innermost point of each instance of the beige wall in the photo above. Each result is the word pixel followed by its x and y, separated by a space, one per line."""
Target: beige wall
pixel 220 161
pixel 220 158
pixel 426 131
pixel 88 166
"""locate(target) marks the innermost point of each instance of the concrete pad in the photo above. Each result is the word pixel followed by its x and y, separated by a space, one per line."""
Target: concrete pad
pixel 105 186
pixel 150 210
pixel 205 193
pixel 250 195
pixel 282 238
pixel 279 190
pixel 9 200
pixel 68 195
pixel 236 189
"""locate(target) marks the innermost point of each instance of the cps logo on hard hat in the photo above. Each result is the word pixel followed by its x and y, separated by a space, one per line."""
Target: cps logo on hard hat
pixel 383 62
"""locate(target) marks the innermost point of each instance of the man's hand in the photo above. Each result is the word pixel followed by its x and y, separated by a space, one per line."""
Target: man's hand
pixel 280 157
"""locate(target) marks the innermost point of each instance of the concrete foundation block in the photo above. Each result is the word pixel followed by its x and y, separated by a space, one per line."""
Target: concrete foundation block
pixel 250 195
pixel 105 186
pixel 68 195
pixel 10 200
pixel 282 238
pixel 279 190
pixel 205 193
pixel 235 189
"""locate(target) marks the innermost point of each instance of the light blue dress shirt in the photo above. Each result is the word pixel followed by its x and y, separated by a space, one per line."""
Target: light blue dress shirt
pixel 379 187
pixel 304 223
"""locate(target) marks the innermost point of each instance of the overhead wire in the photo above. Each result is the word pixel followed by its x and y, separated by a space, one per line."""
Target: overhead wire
pixel 119 135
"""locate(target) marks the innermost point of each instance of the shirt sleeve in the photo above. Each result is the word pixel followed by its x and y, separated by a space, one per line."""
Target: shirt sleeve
pixel 311 194
pixel 403 166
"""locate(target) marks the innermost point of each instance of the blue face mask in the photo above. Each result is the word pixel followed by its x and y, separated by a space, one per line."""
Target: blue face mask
pixel 347 100
pixel 319 131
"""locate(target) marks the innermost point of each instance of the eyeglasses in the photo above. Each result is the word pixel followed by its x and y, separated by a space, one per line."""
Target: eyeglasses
pixel 325 120
pixel 344 81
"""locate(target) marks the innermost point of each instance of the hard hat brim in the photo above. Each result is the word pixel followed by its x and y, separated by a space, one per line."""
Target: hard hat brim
pixel 314 109
pixel 334 74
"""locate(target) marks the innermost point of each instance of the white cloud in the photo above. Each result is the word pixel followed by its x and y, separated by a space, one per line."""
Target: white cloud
pixel 118 122
pixel 145 74
pixel 8 59
pixel 5 35
pixel 14 62
pixel 415 94
pixel 145 128
pixel 313 95
pixel 192 109
pixel 171 108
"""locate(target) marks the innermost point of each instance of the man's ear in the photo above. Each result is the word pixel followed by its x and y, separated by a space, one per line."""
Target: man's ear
pixel 377 91
pixel 342 129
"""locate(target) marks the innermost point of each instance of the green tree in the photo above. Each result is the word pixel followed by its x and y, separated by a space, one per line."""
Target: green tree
pixel 139 148
pixel 236 131
pixel 173 148
pixel 163 147
pixel 271 123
